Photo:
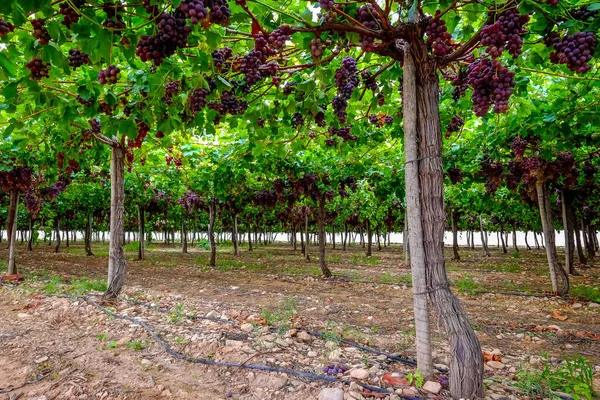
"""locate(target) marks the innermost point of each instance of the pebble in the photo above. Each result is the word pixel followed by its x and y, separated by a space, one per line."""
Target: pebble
pixel 304 336
pixel 313 354
pixel 576 306
pixel 41 359
pixel 359 373
pixel 331 394
pixel 432 387
pixel 495 364
pixel 281 342
pixel 594 305
pixel 23 315
pixel 247 328
pixel 335 355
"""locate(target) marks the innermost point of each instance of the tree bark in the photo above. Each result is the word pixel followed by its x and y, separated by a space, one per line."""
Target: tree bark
pixel 455 236
pixel 322 261
pixel 556 271
pixel 414 221
pixel 57 230
pixel 502 239
pixel 567 215
pixel 87 239
pixel 117 265
pixel 211 233
pixel 369 239
pixel 234 236
pixel 141 228
pixel 526 243
pixel 406 241
pixel 333 235
pixel 30 239
pixel 378 241
pixel 580 254
pixel 466 364
pixel 306 256
pixel 591 235
pixel 11 230
pixel 486 249
pixel 345 236
pixel 184 235
pixel 535 240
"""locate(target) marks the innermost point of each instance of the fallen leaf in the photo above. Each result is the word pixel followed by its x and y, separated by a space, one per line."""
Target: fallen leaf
pixel 491 357
pixel 557 315
pixel 394 380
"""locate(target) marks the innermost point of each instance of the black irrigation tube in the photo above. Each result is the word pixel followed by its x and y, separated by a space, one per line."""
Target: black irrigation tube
pixel 312 333
pixel 307 375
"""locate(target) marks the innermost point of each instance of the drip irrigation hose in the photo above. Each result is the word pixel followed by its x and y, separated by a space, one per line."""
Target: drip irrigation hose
pixel 307 375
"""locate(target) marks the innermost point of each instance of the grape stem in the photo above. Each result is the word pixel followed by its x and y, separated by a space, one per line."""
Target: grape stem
pixel 581 78
pixel 59 90
pixel 381 13
pixel 298 19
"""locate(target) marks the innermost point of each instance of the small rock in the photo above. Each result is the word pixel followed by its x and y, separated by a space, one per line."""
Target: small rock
pixel 281 342
pixel 594 305
pixel 495 364
pixel 441 366
pixel 409 392
pixel 359 373
pixel 312 354
pixel 146 362
pixel 304 336
pixel 331 394
pixel 23 315
pixel 247 328
pixel 554 328
pixel 568 346
pixel 335 355
pixel 576 306
pixel 432 387
pixel 520 335
pixel 41 359
pixel 234 343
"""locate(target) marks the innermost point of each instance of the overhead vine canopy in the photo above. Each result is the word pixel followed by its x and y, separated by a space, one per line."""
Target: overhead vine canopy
pixel 266 78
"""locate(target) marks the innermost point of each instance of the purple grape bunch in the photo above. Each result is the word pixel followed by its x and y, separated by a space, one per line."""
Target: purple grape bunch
pixel 505 34
pixel 575 51
pixel 492 83
pixel 334 370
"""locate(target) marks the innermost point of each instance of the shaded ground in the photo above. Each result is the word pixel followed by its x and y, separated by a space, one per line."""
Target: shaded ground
pixel 91 355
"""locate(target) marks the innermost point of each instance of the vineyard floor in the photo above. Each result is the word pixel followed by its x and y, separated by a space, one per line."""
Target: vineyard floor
pixel 85 354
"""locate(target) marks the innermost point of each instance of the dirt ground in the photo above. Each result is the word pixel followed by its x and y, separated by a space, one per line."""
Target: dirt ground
pixel 79 352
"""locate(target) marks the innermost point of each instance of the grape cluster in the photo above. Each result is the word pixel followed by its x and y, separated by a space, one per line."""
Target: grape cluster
pixel 5 27
pixel 172 34
pixel 38 69
pixel 70 16
pixel 151 9
pixel 334 370
pixel 279 36
pixel 19 178
pixel 95 125
pixel 368 80
pixel 320 119
pixel 219 11
pixel 317 48
pixel 346 80
pixel 380 99
pixel 437 35
pixel 84 102
pixel 143 130
pixel 78 58
pixel 115 23
pixel 251 62
pixel 297 120
pixel 194 10
pixel 110 75
pixel 491 83
pixel 190 201
pixel 266 198
pixel 575 51
pixel 220 58
pixel 513 175
pixel 454 126
pixel 229 104
pixel 105 108
pixel 369 17
pixel 505 33
pixel 582 14
pixel 171 89
pixel 518 147
pixel 460 86
pixel 260 122
pixel 198 100
pixel 553 3
pixel 40 32
pixel 588 172
pixel 343 132
pixel 493 171
pixel 326 5
pixel 289 88
pixel 388 120
pixel 455 174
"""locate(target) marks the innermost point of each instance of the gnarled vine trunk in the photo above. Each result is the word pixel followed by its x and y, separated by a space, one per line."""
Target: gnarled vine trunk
pixel 423 137
pixel 211 233
pixel 556 271
pixel 369 252
pixel 568 226
pixel 235 237
pixel 322 261
pixel 87 235
pixel 456 256
pixel 486 249
pixel 11 230
pixel 58 238
pixel 184 236
pixel 117 265
pixel 30 239
pixel 141 228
